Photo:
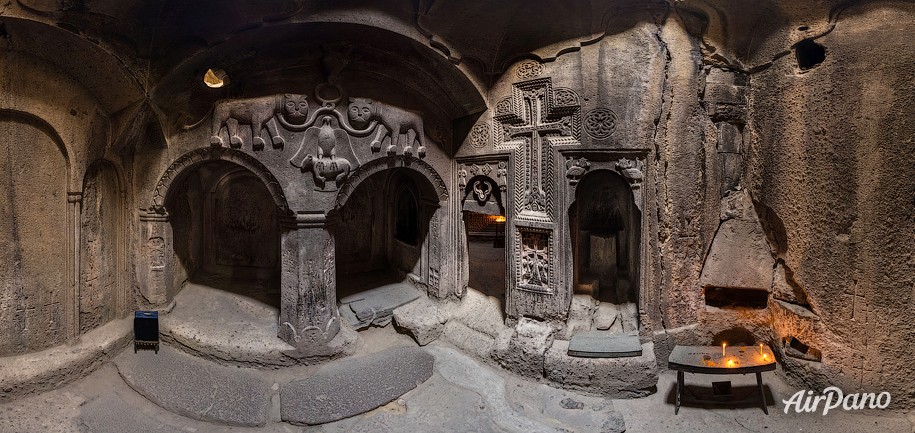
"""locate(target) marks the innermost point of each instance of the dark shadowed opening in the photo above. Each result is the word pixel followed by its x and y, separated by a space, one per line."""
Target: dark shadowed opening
pixel 809 54
pixel 722 297
pixel 382 231
pixel 225 231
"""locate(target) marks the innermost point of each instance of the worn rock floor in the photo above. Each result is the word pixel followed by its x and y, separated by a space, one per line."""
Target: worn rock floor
pixel 461 396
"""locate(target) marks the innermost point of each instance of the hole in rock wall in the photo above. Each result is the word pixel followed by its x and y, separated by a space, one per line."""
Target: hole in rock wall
pixel 486 253
pixel 215 78
pixel 737 336
pixel 605 226
pixel 722 297
pixel 809 54
pixel 382 231
pixel 225 231
pixel 797 349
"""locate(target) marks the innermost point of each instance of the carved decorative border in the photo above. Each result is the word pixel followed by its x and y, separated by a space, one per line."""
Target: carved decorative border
pixel 196 157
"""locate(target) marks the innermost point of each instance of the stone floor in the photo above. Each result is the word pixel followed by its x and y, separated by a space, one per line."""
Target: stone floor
pixel 176 391
pixel 461 395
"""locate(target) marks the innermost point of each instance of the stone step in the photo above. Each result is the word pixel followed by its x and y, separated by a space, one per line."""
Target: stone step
pixel 353 386
pixel 197 388
pixel 225 327
pixel 598 344
pixel 612 377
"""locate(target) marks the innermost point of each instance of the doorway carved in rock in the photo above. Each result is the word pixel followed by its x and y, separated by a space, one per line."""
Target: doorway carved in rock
pixel 606 232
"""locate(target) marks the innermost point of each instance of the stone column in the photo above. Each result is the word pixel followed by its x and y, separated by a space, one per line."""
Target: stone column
pixel 71 302
pixel 155 265
pixel 309 319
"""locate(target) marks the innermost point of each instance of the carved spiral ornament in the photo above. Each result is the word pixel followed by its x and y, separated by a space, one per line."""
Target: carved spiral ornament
pixel 565 97
pixel 600 122
pixel 479 135
pixel 529 69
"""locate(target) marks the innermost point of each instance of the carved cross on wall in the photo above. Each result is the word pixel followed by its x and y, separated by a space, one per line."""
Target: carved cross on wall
pixel 534 119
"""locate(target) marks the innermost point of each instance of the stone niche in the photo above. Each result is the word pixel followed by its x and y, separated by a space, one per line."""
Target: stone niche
pixel 101 295
pixel 383 231
pixel 33 232
pixel 225 231
pixel 605 230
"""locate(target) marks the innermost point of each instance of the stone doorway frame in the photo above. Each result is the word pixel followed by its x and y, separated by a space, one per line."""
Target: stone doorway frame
pixel 631 165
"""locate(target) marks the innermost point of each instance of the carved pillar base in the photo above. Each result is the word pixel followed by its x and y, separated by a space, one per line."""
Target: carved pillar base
pixel 155 268
pixel 309 319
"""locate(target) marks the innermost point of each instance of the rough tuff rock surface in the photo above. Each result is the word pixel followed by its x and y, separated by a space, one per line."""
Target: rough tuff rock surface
pixel 355 139
pixel 423 319
pixel 521 351
pixel 354 386
pixel 613 377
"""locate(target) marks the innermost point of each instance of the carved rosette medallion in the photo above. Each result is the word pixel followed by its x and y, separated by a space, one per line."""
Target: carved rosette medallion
pixel 600 123
pixel 479 136
pixel 529 69
pixel 563 97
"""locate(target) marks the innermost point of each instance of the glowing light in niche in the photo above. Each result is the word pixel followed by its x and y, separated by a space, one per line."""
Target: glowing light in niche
pixel 215 78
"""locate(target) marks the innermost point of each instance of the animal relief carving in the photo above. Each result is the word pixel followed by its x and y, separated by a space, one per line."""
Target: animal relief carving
pixel 327 165
pixel 258 113
pixel 393 121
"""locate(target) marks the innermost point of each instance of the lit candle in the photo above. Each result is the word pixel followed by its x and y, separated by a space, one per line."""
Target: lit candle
pixel 723 347
pixel 760 348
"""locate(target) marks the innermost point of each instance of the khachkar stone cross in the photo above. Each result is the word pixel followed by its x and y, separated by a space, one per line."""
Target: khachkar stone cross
pixel 534 120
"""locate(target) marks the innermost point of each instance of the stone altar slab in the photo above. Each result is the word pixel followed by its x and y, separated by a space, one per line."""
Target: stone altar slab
pixel 376 306
pixel 596 344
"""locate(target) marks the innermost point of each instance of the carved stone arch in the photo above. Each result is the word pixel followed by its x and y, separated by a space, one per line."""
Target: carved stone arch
pixel 398 161
pixel 45 127
pixel 184 163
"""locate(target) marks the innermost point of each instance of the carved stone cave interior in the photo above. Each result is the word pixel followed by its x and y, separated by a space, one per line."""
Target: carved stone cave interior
pixel 535 183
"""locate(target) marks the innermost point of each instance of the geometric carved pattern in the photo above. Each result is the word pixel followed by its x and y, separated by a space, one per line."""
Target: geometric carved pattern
pixel 529 69
pixel 564 97
pixel 199 156
pixel 535 119
pixel 600 122
pixel 479 135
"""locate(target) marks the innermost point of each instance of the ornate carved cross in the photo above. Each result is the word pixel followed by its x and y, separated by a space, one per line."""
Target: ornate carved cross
pixel 534 119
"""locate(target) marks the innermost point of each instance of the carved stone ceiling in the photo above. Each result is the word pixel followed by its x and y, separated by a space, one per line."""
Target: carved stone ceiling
pixel 156 45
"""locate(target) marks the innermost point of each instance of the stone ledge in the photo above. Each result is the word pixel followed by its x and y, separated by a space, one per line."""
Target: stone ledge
pixel 354 386
pixel 197 388
pixel 612 377
pixel 51 368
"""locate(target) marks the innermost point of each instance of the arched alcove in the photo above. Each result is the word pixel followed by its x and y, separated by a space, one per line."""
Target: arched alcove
pixel 226 231
pixel 101 295
pixel 606 229
pixel 382 232
pixel 33 234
